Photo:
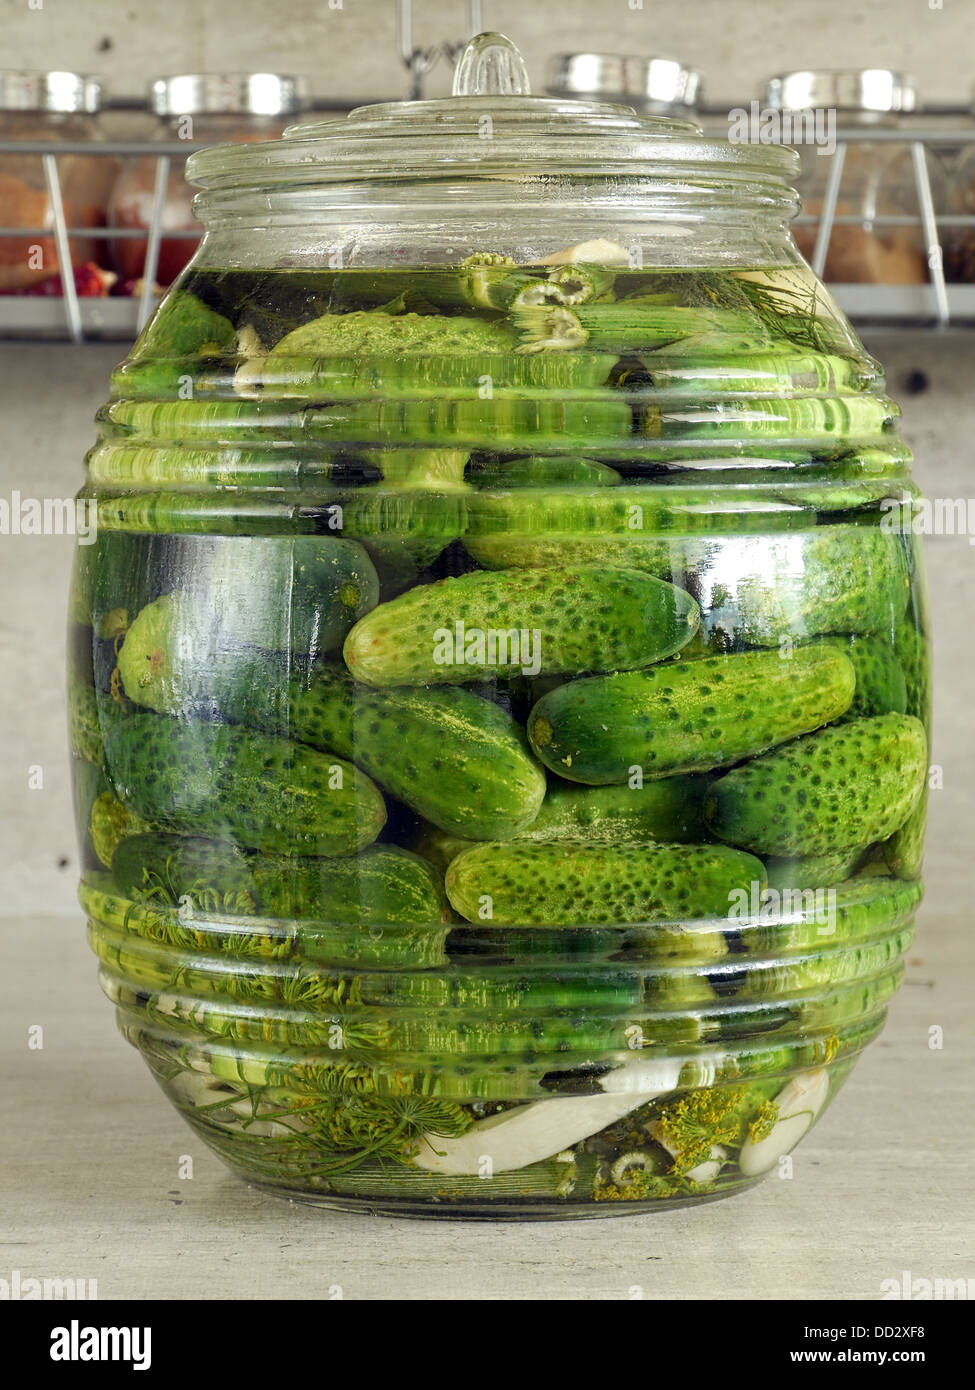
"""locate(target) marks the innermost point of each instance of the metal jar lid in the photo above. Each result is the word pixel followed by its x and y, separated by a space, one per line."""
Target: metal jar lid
pixel 226 93
pixel 868 89
pixel 49 91
pixel 654 82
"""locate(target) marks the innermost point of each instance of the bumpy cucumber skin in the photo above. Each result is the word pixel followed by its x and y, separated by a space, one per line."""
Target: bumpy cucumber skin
pixel 234 784
pixel 668 809
pixel 825 793
pixel 687 716
pixel 84 731
pixel 831 579
pixel 588 619
pixel 88 783
pixel 111 821
pixel 591 885
pixel 459 761
pixel 383 886
pixel 904 850
pixel 812 870
pixel 880 684
pixel 173 660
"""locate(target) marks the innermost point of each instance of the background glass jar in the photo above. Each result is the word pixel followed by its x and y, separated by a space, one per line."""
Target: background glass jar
pixel 877 180
pixel 57 107
pixel 215 108
pixel 498 689
pixel 960 241
pixel 655 86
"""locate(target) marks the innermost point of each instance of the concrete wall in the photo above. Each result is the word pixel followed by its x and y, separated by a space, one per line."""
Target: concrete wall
pixel 347 47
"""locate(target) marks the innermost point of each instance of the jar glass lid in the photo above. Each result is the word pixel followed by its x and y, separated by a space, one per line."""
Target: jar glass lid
pixel 489 127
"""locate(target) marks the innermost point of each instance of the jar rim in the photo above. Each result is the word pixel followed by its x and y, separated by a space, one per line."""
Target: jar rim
pixel 486 135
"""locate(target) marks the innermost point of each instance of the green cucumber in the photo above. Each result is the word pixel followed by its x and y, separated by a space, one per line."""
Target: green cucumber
pixel 831 579
pixel 632 525
pixel 182 339
pixel 830 791
pixel 439 846
pixel 913 653
pixel 880 684
pixel 669 808
pixel 257 791
pixel 383 886
pixel 420 468
pixel 545 470
pixel 88 784
pixel 687 716
pixel 481 625
pixel 459 761
pixel 84 729
pixel 796 421
pixel 863 908
pixel 812 870
pixel 904 850
pixel 338 943
pixel 366 351
pixel 110 822
pixel 181 326
pixel 577 884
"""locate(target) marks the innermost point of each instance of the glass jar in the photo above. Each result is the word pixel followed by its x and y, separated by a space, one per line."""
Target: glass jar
pixel 960 240
pixel 654 86
pixel 211 109
pixel 499 684
pixel 877 180
pixel 60 107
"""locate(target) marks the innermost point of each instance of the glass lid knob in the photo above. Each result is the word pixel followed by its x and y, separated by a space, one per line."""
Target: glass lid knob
pixel 491 66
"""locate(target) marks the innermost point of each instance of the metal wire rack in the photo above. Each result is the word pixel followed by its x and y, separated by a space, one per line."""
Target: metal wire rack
pixel 937 303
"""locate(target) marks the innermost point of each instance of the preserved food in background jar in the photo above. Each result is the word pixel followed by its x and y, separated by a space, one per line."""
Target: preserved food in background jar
pixel 877 181
pixel 960 241
pixel 209 109
pixel 655 86
pixel 499 686
pixel 57 107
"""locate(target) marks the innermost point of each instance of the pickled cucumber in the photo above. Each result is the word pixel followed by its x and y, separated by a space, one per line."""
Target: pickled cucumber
pixel 670 809
pixel 687 716
pixel 235 784
pixel 825 793
pixel 459 761
pixel 384 885
pixel 578 884
pixel 479 625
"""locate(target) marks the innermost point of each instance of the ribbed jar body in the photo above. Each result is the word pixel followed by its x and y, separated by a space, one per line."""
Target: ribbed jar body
pixel 499 692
